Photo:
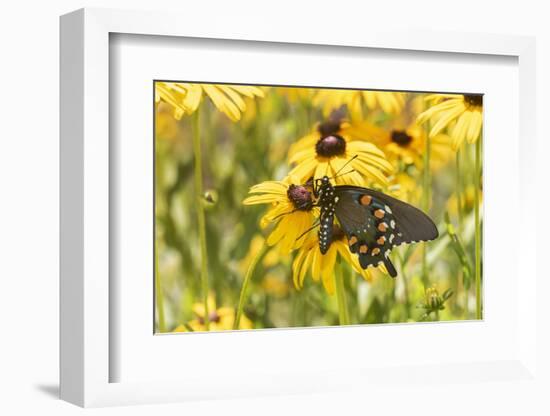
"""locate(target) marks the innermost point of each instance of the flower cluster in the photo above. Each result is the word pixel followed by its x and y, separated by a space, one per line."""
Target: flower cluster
pixel 377 157
pixel 424 149
pixel 326 150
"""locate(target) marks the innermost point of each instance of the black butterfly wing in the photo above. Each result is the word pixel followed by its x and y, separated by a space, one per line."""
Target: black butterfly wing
pixel 374 223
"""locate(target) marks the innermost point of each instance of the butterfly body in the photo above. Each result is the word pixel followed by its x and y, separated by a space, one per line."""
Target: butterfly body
pixel 373 222
pixel 327 202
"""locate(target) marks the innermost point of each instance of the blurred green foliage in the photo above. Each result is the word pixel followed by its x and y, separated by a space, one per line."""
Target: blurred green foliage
pixel 237 155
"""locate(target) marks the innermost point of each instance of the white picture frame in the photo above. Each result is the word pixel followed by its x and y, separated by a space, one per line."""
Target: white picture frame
pixel 85 217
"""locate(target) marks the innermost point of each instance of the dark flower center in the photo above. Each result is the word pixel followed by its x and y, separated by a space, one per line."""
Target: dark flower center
pixel 401 138
pixel 300 197
pixel 473 99
pixel 212 317
pixel 329 128
pixel 333 145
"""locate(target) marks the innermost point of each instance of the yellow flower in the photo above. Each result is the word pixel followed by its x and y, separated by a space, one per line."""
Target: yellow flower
pixel 185 98
pixel 334 143
pixel 291 207
pixel 221 319
pixel 329 100
pixel 407 145
pixel 461 114
pixel 309 257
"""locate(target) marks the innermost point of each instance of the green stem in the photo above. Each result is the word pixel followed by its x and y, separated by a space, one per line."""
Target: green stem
pixel 158 293
pixel 426 204
pixel 466 302
pixel 159 296
pixel 477 185
pixel 246 281
pixel 405 285
pixel 459 191
pixel 343 313
pixel 200 214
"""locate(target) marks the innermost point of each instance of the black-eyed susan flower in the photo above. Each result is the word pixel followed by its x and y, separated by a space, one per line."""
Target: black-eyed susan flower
pixel 321 266
pixel 185 98
pixel 220 319
pixel 406 144
pixel 291 207
pixel 461 114
pixel 333 144
pixel 329 100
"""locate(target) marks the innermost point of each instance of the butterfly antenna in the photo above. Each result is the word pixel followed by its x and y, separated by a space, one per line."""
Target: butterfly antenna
pixel 345 164
pixel 345 173
pixel 290 212
pixel 284 213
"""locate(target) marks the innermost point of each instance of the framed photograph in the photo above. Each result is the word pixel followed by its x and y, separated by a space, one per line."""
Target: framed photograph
pixel 272 214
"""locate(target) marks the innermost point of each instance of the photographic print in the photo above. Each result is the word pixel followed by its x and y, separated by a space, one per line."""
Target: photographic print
pixel 284 206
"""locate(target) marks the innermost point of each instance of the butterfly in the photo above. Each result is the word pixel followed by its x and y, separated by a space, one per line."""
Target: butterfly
pixel 373 222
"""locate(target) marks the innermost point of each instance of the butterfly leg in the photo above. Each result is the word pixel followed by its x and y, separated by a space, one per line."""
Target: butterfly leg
pixel 389 267
pixel 315 225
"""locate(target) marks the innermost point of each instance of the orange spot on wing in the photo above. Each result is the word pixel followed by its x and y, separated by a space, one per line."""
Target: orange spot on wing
pixel 379 213
pixel 375 251
pixel 382 227
pixel 352 240
pixel 381 241
pixel 365 200
pixel 363 249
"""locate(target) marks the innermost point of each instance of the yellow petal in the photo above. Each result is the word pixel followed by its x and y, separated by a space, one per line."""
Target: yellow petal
pixel 297 265
pixel 316 263
pixel 474 127
pixel 305 143
pixel 193 97
pixel 301 155
pixel 459 130
pixel 276 212
pixel 327 271
pixel 274 187
pixel 357 146
pixel 304 170
pixel 222 103
pixel 446 118
pixel 305 266
pixel 322 169
pixel 235 97
pixel 438 108
pixel 370 99
pixel 370 172
pixel 291 224
pixel 279 232
pixel 262 199
pixel 248 90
